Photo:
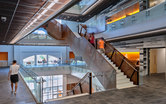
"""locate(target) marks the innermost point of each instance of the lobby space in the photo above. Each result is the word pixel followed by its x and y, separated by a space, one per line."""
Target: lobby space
pixel 153 91
pixel 23 95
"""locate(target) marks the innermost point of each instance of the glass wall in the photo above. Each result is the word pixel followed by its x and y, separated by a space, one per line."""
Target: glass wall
pixel 53 87
pixel 40 33
pixel 42 60
pixel 53 60
pixel 29 61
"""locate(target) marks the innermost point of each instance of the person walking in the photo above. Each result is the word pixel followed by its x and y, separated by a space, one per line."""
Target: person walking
pixel 92 39
pixel 13 75
pixel 101 45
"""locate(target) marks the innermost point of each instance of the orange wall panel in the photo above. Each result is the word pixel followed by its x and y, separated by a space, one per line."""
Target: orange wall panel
pixel 71 55
pixel 132 56
pixel 3 56
pixel 124 13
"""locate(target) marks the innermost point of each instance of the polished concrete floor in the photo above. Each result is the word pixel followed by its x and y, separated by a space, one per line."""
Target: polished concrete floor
pixel 153 91
pixel 23 95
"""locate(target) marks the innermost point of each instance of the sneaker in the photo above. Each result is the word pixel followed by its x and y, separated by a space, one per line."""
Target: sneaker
pixel 14 93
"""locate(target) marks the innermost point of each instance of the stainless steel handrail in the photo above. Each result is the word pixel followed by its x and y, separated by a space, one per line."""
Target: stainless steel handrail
pixel 79 82
pixel 34 76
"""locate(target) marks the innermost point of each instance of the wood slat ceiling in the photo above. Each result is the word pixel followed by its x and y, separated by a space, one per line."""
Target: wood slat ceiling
pixel 24 12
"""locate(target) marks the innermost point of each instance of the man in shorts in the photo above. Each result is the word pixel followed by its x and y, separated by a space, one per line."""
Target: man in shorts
pixel 13 75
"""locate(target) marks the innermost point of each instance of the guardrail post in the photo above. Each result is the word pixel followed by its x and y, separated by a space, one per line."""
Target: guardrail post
pixel 90 83
pixel 80 87
pixel 132 75
pixel 137 77
pixel 112 54
pixel 121 63
pixel 73 92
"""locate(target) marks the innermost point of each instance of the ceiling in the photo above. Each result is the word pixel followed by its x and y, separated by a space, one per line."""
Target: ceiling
pixel 99 5
pixel 18 18
pixel 17 14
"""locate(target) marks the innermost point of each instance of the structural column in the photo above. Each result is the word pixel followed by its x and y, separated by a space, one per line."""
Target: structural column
pixel 35 60
pixel 144 4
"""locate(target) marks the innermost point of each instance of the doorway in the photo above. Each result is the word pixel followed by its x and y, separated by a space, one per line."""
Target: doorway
pixel 157 61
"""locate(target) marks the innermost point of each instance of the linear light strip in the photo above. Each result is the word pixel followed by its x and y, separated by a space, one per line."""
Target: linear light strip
pixel 26 27
pixel 29 28
pixel 93 6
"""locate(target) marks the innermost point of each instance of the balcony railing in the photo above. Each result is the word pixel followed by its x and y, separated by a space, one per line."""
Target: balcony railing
pixel 145 16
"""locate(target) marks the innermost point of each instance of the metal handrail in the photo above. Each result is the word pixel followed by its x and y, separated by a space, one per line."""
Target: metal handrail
pixel 79 82
pixel 119 52
pixel 82 28
pixel 33 77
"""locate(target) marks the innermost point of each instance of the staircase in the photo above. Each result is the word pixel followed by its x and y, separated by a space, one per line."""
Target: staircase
pixel 118 71
pixel 121 80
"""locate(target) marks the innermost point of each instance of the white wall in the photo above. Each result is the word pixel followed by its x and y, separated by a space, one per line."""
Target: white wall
pixel 128 49
pixel 20 52
pixel 161 67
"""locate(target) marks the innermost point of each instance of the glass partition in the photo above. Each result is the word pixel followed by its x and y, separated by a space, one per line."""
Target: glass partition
pixel 29 61
pixel 48 88
pixel 53 60
pixel 81 7
pixel 132 16
pixel 33 82
pixel 41 59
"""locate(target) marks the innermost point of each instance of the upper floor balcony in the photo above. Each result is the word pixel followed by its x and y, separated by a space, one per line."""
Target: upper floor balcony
pixel 137 22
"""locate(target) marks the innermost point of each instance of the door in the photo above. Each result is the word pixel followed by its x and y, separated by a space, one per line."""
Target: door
pixel 153 64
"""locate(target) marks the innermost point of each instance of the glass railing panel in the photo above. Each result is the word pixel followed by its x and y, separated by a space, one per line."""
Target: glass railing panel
pixel 148 15
pixel 54 87
pixel 33 83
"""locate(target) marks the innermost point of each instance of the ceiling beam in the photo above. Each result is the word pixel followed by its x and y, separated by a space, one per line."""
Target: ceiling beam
pixel 12 3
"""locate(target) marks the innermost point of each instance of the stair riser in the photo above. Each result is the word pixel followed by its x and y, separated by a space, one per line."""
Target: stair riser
pixel 121 79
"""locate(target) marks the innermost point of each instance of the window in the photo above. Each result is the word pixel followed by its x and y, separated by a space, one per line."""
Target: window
pixel 29 61
pixel 41 59
pixel 53 87
pixel 53 60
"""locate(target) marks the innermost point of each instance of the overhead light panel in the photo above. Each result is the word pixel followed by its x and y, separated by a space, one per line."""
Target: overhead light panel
pixel 51 5
pixel 90 8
